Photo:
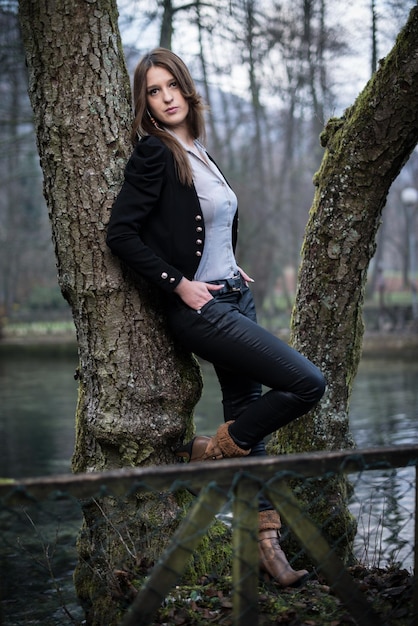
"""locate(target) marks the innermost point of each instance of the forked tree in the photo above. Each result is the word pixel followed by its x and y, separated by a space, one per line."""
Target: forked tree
pixel 137 390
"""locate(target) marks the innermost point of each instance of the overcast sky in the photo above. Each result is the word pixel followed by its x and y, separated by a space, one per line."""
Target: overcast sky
pixel 350 72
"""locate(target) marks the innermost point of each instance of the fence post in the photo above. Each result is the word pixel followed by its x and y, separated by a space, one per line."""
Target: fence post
pixel 245 561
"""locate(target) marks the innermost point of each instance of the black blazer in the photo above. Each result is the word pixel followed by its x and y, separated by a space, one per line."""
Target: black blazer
pixel 157 226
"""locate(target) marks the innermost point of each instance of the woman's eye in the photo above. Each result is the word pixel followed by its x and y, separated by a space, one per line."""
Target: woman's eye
pixel 153 91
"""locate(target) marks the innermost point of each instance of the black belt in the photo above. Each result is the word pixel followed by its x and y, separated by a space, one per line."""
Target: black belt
pixel 229 285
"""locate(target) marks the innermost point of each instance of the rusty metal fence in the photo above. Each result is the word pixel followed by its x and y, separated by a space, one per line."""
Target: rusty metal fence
pixel 392 471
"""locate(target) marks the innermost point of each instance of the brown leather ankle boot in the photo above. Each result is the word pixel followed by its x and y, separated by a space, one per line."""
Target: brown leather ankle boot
pixel 220 446
pixel 273 561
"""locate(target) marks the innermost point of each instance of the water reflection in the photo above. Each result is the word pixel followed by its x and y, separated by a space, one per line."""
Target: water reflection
pixel 37 405
pixel 384 407
pixel 384 412
pixel 383 503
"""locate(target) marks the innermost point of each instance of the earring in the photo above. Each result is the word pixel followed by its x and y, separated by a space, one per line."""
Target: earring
pixel 152 120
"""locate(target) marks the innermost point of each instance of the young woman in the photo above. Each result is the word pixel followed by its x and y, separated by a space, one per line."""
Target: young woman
pixel 175 223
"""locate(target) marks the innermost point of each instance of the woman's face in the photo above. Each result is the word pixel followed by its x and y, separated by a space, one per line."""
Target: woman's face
pixel 165 101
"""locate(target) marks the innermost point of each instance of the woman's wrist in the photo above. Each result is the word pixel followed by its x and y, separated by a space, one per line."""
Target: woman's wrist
pixel 181 286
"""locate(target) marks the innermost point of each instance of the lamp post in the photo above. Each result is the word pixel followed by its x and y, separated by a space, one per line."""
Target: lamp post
pixel 409 197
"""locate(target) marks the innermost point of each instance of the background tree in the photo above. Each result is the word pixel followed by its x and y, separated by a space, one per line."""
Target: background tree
pixel 26 253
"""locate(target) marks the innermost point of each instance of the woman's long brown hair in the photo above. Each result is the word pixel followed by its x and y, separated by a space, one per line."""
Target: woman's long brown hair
pixel 145 125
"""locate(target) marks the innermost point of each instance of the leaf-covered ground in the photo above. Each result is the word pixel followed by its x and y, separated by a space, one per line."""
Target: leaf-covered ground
pixel 388 591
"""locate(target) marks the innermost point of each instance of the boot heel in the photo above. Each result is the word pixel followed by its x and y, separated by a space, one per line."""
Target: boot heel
pixel 267 579
pixel 185 451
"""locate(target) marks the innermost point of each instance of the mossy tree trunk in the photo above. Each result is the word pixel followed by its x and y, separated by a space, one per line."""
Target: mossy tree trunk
pixel 136 389
pixel 365 151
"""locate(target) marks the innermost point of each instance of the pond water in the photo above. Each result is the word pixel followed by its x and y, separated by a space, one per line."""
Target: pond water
pixel 38 396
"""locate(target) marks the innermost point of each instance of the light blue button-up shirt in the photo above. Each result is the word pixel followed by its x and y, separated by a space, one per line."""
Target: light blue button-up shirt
pixel 219 205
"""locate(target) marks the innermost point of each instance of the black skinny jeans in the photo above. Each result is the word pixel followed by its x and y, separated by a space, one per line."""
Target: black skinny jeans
pixel 245 357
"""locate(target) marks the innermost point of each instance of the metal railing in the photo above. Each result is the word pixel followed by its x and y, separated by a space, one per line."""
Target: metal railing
pixel 216 482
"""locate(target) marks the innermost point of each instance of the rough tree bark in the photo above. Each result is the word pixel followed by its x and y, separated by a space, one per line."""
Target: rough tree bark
pixel 136 389
pixel 365 151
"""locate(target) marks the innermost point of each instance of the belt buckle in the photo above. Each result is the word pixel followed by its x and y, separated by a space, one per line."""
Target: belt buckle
pixel 232 282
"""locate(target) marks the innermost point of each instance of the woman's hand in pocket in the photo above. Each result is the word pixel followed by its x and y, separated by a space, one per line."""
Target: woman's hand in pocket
pixel 195 293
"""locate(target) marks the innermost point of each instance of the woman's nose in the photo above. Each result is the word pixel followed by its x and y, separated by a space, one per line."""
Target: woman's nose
pixel 167 95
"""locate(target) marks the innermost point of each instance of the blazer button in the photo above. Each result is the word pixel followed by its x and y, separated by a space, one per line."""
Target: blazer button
pixel 199 229
pixel 172 280
pixel 198 253
pixel 164 275
pixel 198 218
pixel 199 242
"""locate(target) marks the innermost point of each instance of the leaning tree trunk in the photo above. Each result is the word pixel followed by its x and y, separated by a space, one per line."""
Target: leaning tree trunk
pixel 365 151
pixel 136 389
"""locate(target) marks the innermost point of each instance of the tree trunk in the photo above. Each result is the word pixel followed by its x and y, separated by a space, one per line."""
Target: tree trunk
pixel 365 151
pixel 136 389
pixel 166 31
